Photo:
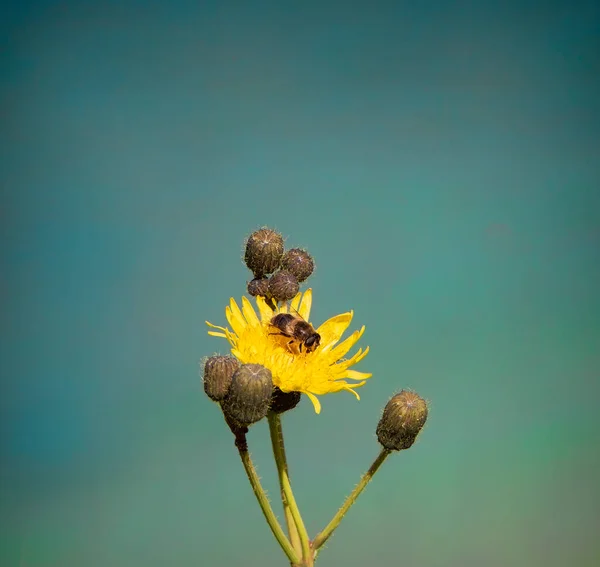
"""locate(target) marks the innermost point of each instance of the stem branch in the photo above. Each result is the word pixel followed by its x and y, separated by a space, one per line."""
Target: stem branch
pixel 335 522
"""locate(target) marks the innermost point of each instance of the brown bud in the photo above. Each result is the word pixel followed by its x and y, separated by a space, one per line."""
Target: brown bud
pixel 402 419
pixel 249 395
pixel 258 286
pixel 283 286
pixel 298 262
pixel 218 372
pixel 264 249
pixel 284 401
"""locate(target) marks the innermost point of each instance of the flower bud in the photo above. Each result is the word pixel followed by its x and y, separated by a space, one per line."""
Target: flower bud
pixel 283 286
pixel 249 394
pixel 218 372
pixel 402 419
pixel 258 286
pixel 284 401
pixel 298 262
pixel 264 249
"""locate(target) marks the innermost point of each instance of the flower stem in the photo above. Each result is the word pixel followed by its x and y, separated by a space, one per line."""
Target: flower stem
pixel 281 461
pixel 291 525
pixel 289 501
pixel 335 522
pixel 261 496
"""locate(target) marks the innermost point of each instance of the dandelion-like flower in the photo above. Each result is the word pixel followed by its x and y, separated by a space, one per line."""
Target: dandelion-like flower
pixel 323 371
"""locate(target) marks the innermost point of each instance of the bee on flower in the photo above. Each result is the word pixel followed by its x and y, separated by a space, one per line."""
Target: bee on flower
pixel 313 371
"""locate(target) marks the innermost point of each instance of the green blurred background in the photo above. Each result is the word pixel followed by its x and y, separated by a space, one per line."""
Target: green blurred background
pixel 442 164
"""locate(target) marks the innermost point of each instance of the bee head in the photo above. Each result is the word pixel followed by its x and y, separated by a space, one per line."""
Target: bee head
pixel 312 342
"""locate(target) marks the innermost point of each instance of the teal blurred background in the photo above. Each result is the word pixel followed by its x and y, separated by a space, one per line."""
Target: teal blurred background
pixel 442 164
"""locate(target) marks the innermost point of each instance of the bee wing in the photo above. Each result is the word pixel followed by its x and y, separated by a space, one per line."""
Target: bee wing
pixel 297 313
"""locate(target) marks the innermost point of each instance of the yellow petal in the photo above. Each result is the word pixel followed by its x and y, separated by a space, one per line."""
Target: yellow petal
pixel 332 330
pixel 328 387
pixel 236 311
pixel 231 337
pixel 360 356
pixel 237 323
pixel 295 303
pixel 352 392
pixel 237 354
pixel 306 304
pixel 215 326
pixel 355 359
pixel 249 313
pixel 215 334
pixel 315 402
pixel 356 375
pixel 266 313
pixel 340 350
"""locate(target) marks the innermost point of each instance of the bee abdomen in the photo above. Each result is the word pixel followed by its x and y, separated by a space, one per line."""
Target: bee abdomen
pixel 282 319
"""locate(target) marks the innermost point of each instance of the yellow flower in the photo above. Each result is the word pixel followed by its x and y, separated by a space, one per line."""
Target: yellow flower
pixel 322 371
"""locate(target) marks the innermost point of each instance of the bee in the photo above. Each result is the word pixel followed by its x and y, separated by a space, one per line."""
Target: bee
pixel 296 328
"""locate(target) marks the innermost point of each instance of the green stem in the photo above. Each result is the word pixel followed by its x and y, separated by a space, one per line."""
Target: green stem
pixel 291 525
pixel 289 519
pixel 281 461
pixel 284 482
pixel 261 496
pixel 335 522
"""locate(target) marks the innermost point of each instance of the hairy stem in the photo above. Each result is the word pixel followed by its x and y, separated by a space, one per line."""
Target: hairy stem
pixel 261 496
pixel 284 482
pixel 335 522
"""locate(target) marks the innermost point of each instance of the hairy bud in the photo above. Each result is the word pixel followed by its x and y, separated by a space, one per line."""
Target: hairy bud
pixel 258 286
pixel 284 401
pixel 299 263
pixel 402 419
pixel 264 249
pixel 249 395
pixel 218 372
pixel 283 286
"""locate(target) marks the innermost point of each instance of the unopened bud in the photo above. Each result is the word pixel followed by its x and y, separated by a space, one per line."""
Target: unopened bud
pixel 284 401
pixel 264 249
pixel 218 372
pixel 258 286
pixel 298 262
pixel 283 286
pixel 402 419
pixel 249 394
